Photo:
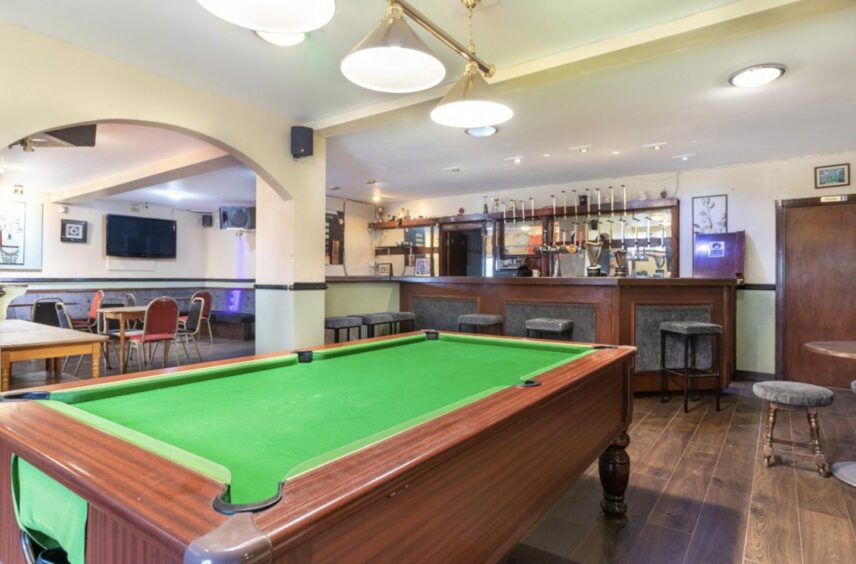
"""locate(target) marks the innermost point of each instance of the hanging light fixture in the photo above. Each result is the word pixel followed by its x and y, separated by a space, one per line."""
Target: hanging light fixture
pixel 281 39
pixel 276 16
pixel 392 58
pixel 469 103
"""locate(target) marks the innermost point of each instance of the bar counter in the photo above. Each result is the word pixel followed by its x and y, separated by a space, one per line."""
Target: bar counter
pixel 621 311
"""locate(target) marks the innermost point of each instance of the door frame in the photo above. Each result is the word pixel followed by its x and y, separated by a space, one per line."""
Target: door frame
pixel 781 290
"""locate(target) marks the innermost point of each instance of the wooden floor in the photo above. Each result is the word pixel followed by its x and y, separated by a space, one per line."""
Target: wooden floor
pixel 698 492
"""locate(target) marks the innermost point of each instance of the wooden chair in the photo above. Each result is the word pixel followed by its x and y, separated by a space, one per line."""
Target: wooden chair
pixel 191 328
pixel 160 325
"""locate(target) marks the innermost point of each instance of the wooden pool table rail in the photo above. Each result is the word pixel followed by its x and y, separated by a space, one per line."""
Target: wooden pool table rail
pixel 144 505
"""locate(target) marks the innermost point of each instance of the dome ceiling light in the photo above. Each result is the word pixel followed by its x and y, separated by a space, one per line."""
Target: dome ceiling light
pixel 757 75
pixel 275 16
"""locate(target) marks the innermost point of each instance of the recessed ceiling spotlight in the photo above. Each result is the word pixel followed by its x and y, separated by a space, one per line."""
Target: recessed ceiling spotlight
pixel 376 198
pixel 655 146
pixel 175 195
pixel 452 169
pixel 516 160
pixel 684 157
pixel 547 155
pixel 616 152
pixel 484 131
pixel 580 148
pixel 281 39
pixel 757 75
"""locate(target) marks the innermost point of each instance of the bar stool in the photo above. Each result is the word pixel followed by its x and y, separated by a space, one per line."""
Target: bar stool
pixel 689 331
pixel 373 320
pixel 336 324
pixel 475 320
pixel 558 327
pixel 399 318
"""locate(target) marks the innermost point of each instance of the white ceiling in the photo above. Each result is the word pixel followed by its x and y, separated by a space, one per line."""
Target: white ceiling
pixel 178 38
pixel 118 148
pixel 235 185
pixel 682 98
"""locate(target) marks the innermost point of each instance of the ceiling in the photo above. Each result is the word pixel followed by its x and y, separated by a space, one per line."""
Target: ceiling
pixel 616 105
pixel 179 39
pixel 681 98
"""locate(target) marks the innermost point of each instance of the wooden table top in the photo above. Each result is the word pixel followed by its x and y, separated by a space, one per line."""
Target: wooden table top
pixel 17 333
pixel 122 310
pixel 841 349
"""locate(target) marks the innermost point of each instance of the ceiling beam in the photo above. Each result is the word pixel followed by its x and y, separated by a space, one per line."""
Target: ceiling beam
pixel 736 18
pixel 204 160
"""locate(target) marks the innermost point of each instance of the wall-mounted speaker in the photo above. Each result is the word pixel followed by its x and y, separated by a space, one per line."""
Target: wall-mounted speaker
pixel 301 141
pixel 207 220
pixel 237 217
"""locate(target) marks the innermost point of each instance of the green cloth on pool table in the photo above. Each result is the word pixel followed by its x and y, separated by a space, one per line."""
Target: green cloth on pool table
pixel 271 420
pixel 52 515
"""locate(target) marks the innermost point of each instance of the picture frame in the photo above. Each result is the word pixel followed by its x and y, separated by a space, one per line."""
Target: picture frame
pixel 831 176
pixel 73 231
pixel 384 269
pixel 423 267
pixel 710 214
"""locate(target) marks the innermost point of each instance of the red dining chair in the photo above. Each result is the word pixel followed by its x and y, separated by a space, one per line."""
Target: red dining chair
pixel 206 312
pixel 91 322
pixel 160 325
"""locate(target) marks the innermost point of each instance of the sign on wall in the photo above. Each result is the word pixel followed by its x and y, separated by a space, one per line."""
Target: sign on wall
pixel 334 249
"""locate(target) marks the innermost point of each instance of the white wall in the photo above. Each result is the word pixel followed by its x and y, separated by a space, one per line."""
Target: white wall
pixel 752 190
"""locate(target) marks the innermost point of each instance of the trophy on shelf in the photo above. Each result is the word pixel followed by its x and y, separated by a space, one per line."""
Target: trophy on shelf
pixel 593 252
pixel 660 264
pixel 621 262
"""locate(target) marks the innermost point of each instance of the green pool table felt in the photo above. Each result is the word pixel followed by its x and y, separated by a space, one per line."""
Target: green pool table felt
pixel 265 421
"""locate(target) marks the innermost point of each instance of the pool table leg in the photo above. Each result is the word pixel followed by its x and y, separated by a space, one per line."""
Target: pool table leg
pixel 614 469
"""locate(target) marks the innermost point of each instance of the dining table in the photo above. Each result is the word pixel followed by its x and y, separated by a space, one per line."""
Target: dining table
pixel 845 470
pixel 122 314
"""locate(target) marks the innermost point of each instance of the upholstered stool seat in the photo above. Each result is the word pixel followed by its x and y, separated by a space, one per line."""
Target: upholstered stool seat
pixel 794 394
pixel 477 320
pixel 337 324
pixel 373 320
pixel 540 325
pixel 406 318
pixel 689 332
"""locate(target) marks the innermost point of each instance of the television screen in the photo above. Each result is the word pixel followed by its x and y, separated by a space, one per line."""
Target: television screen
pixel 140 237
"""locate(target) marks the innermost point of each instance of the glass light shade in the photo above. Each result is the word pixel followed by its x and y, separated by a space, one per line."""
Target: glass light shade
pixel 470 104
pixel 758 75
pixel 282 39
pixel 392 58
pixel 276 16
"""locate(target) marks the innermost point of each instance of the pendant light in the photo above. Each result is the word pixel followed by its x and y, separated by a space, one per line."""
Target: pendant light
pixel 392 58
pixel 281 39
pixel 276 16
pixel 469 103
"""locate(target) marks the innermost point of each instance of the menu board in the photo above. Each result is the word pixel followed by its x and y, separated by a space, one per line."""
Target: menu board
pixel 334 248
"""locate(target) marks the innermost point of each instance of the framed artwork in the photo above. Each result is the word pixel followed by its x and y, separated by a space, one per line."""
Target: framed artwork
pixel 72 231
pixel 13 233
pixel 832 176
pixel 710 214
pixel 384 269
pixel 423 267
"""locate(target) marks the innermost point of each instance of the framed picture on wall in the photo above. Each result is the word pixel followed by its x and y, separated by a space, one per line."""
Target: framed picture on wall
pixel 72 231
pixel 384 269
pixel 832 176
pixel 710 214
pixel 423 267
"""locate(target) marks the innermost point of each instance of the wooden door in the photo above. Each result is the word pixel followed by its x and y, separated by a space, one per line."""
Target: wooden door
pixel 816 290
pixel 456 254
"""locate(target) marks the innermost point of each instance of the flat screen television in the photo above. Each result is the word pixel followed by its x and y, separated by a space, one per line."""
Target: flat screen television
pixel 140 237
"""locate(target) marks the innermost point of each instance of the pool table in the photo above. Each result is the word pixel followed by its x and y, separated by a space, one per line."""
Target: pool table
pixel 419 447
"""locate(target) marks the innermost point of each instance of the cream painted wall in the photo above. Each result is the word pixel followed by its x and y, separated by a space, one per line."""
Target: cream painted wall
pixel 752 191
pixel 359 249
pixel 348 298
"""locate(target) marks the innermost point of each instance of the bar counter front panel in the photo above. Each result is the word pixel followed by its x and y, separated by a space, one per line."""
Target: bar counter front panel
pixel 605 310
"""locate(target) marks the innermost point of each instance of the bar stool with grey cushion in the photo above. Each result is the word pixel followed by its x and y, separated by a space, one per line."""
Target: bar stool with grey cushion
pixel 475 321
pixel 402 318
pixel 336 324
pixel 689 332
pixel 373 320
pixel 794 394
pixel 560 328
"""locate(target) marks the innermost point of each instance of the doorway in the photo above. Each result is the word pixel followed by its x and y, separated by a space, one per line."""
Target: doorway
pixel 816 264
pixel 463 250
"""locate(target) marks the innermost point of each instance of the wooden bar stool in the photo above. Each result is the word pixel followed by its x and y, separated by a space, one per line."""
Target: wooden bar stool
pixel 561 329
pixel 794 394
pixel 336 324
pixel 689 332
pixel 484 321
